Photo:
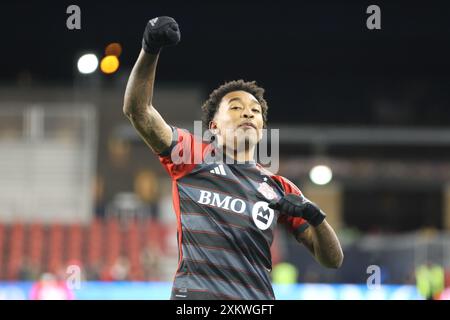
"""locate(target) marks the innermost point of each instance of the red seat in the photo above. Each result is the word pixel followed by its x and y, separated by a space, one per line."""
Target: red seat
pixel 95 241
pixel 113 236
pixel 75 243
pixel 15 258
pixel 2 239
pixel 98 245
pixel 134 248
pixel 35 245
pixel 56 245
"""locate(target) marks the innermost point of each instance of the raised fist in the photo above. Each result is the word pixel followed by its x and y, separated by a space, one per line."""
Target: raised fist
pixel 160 32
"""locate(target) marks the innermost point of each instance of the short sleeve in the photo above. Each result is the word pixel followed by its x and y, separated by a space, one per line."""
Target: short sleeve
pixel 185 152
pixel 294 224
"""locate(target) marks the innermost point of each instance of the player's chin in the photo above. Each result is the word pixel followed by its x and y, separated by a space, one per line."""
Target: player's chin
pixel 246 132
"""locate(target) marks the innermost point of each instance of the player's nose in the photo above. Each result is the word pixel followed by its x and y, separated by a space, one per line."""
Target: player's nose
pixel 246 113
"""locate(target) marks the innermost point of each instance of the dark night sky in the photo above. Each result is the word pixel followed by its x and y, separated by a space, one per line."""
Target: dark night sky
pixel 316 53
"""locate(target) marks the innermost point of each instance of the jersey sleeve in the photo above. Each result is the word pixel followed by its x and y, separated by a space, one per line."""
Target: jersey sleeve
pixel 295 225
pixel 185 152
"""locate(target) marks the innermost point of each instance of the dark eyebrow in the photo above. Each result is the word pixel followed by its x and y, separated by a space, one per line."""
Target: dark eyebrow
pixel 234 99
pixel 239 99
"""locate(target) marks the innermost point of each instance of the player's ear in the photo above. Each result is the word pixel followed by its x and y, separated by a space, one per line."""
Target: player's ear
pixel 213 127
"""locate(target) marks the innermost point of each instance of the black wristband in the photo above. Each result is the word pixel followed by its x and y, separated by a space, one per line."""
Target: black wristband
pixel 314 215
pixel 149 49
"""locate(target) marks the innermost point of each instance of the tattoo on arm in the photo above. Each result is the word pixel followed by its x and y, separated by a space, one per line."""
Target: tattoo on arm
pixel 138 107
pixel 153 129
pixel 323 243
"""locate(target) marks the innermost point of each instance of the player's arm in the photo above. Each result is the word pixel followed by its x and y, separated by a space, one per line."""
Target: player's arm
pixel 323 243
pixel 319 238
pixel 138 107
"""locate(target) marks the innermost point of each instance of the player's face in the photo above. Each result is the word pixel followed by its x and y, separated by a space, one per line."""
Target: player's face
pixel 239 120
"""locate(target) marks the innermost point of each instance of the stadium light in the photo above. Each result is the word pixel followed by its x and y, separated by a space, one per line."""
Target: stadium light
pixel 113 49
pixel 109 64
pixel 87 63
pixel 321 175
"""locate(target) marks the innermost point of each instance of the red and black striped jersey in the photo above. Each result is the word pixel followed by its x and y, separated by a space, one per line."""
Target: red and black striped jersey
pixel 225 227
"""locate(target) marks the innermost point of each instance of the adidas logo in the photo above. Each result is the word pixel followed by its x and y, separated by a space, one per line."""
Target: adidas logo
pixel 153 21
pixel 219 170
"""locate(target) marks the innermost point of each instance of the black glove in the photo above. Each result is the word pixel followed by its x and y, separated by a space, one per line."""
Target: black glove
pixel 160 32
pixel 299 206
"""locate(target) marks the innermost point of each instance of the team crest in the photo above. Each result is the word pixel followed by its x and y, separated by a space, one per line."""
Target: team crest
pixel 267 191
pixel 262 215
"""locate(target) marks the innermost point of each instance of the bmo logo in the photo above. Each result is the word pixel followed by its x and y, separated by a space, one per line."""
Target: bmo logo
pixel 262 215
pixel 227 203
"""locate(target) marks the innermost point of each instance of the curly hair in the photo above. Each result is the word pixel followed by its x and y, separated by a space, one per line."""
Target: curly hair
pixel 211 105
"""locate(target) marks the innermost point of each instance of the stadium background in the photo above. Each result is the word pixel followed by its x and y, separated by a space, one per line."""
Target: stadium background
pixel 79 188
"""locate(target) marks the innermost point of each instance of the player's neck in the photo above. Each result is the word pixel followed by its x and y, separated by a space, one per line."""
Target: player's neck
pixel 241 156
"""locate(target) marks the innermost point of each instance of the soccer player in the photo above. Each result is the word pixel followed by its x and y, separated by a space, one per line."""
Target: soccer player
pixel 226 212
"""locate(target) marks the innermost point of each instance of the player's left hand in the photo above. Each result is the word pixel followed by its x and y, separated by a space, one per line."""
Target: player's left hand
pixel 299 206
